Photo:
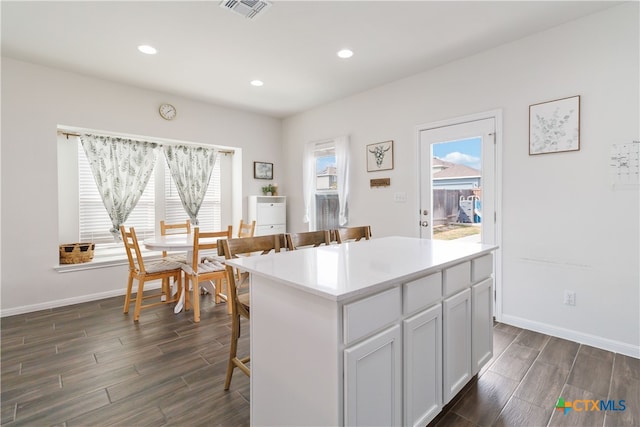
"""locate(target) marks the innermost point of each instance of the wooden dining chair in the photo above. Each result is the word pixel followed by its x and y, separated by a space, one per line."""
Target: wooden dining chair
pixel 307 239
pixel 353 234
pixel 200 269
pixel 246 229
pixel 238 295
pixel 158 270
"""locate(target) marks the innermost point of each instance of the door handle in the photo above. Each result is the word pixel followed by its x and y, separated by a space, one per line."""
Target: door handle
pixel 424 223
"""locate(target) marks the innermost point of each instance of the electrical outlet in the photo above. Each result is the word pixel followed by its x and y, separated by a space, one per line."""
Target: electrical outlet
pixel 569 298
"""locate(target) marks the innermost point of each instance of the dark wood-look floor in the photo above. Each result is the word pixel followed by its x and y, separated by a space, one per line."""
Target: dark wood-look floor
pixel 529 371
pixel 89 364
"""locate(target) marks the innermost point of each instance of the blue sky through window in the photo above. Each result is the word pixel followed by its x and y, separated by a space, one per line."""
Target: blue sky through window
pixel 465 151
pixel 323 162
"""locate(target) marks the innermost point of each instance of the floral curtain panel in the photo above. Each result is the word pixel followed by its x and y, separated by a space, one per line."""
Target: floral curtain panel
pixel 191 169
pixel 121 168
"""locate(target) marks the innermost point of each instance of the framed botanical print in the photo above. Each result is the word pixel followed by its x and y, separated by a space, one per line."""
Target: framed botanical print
pixel 554 126
pixel 262 170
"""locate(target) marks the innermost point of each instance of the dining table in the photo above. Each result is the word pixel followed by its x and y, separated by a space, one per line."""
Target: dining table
pixel 177 243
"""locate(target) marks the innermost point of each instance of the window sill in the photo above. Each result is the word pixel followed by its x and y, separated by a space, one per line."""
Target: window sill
pixel 104 260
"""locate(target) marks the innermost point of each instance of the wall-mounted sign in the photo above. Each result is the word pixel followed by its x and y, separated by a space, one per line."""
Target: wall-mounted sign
pixel 380 182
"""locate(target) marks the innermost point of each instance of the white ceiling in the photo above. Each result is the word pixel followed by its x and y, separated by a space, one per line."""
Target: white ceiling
pixel 211 54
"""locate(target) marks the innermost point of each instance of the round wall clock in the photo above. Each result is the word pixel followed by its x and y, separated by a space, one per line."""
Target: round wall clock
pixel 168 111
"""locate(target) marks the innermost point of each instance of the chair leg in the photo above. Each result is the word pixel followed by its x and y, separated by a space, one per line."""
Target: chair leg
pixel 218 287
pixel 196 302
pixel 233 349
pixel 226 292
pixel 166 289
pixel 127 297
pixel 187 295
pixel 136 311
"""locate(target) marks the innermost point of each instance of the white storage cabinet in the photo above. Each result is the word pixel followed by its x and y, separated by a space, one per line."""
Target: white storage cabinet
pixel 269 213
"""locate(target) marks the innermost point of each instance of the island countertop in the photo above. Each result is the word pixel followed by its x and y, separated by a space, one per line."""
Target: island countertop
pixel 342 271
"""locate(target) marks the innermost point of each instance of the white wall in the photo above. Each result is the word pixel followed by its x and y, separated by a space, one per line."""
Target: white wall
pixel 35 100
pixel 564 226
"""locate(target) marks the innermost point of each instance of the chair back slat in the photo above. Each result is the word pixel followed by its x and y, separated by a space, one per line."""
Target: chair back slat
pixel 249 245
pixel 353 233
pixel 134 255
pixel 246 229
pixel 308 239
pixel 207 241
pixel 177 228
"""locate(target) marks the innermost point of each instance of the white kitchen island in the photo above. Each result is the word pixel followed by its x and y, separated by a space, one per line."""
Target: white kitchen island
pixel 378 332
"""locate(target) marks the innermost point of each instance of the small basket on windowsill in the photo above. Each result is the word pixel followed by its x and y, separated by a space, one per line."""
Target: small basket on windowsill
pixel 76 253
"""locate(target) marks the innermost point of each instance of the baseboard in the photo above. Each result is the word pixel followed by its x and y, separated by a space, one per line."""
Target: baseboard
pixel 67 301
pixel 568 334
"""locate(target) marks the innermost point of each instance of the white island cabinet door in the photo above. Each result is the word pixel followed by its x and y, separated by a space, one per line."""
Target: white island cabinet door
pixel 482 324
pixel 457 343
pixel 423 366
pixel 373 380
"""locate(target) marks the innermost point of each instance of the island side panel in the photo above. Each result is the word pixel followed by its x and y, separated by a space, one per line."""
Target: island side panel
pixel 296 369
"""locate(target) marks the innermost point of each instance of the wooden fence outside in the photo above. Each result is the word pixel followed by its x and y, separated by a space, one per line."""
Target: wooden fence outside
pixel 446 205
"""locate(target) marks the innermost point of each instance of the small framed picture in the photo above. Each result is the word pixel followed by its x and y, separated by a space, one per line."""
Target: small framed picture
pixel 380 156
pixel 262 170
pixel 554 126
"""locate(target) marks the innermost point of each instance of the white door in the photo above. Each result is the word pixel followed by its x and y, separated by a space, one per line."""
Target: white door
pixel 480 191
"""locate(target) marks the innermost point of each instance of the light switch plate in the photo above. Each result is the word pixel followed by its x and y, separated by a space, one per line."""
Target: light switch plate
pixel 400 197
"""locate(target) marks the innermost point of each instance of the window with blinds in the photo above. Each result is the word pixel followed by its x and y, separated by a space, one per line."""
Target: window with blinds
pixel 94 222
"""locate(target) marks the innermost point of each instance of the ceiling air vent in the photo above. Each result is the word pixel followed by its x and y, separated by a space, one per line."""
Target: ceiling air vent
pixel 247 8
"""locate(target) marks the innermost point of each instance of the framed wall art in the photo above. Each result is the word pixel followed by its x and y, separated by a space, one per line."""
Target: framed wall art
pixel 554 126
pixel 262 170
pixel 380 156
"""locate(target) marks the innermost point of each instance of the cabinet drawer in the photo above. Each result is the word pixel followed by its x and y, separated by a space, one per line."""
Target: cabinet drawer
pixel 263 230
pixel 271 213
pixel 481 268
pixel 456 278
pixel 370 314
pixel 422 292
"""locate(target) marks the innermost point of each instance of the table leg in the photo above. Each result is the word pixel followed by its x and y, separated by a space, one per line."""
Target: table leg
pixel 180 304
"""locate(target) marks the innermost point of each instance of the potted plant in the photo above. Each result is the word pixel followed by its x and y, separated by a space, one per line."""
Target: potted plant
pixel 269 190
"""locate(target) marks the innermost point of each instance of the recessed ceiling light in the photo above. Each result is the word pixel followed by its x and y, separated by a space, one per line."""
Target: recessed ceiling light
pixel 345 53
pixel 149 50
pixel 257 82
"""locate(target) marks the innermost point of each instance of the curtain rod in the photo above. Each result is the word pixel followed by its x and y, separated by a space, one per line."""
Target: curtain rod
pixel 68 134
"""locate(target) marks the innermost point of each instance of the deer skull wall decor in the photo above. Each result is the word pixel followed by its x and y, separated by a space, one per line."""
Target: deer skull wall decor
pixel 380 152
